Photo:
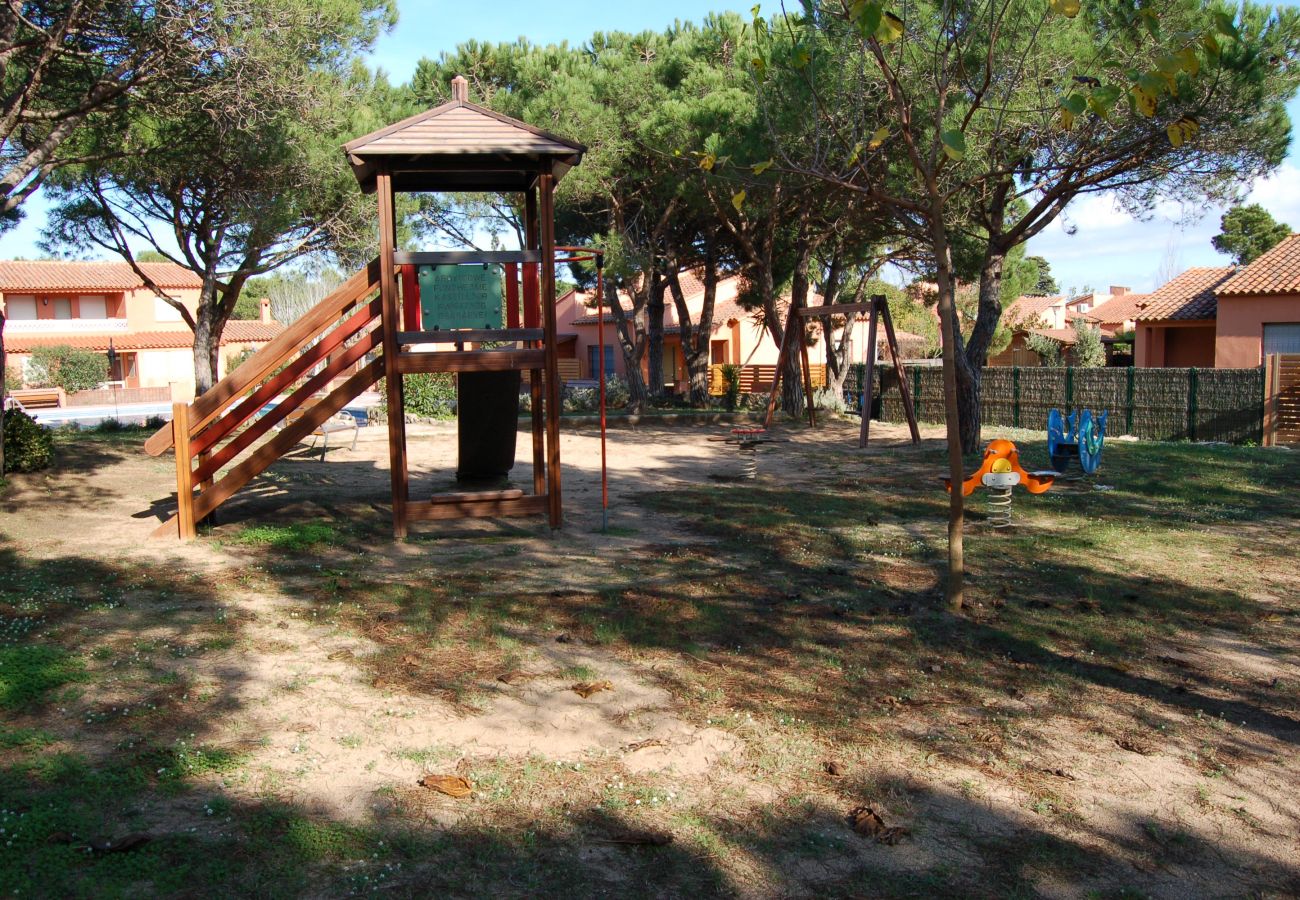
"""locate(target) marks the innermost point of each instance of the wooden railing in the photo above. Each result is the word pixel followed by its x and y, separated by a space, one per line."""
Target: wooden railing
pixel 1282 399
pixel 330 340
pixel 758 379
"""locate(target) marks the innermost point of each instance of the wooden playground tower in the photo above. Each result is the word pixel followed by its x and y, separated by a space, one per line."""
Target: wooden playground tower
pixel 458 146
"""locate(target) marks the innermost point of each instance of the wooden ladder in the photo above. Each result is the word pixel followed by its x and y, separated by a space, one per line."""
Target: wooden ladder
pixel 331 339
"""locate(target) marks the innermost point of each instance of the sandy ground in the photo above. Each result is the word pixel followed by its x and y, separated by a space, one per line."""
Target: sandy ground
pixel 322 733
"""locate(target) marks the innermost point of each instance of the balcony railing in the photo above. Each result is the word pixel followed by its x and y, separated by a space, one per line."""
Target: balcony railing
pixel 66 326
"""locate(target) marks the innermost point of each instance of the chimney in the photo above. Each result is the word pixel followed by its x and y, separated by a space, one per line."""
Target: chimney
pixel 1118 290
pixel 265 315
pixel 460 89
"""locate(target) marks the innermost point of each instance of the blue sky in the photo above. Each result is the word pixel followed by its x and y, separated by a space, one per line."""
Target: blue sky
pixel 1108 247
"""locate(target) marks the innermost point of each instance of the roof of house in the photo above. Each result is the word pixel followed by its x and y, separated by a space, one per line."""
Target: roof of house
pixel 691 283
pixel 237 331
pixel 1060 335
pixel 1023 309
pixel 1276 272
pixel 54 275
pixel 1119 308
pixel 1186 296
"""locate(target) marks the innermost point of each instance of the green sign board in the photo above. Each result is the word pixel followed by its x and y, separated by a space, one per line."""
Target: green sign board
pixel 460 297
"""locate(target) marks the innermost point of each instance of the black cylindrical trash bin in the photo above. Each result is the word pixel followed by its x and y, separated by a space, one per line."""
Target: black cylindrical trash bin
pixel 487 414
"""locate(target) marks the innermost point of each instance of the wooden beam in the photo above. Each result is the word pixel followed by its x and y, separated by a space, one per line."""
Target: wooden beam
pixel 461 257
pixel 546 223
pixel 185 519
pixel 892 340
pixel 414 362
pixel 532 318
pixel 468 335
pixel 835 309
pixel 392 376
pixel 469 496
pixel 427 511
pixel 868 373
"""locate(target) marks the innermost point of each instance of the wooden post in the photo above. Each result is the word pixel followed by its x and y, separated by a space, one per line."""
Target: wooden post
pixel 393 380
pixel 892 340
pixel 1272 372
pixel 868 374
pixel 184 472
pixel 807 375
pixel 530 316
pixel 546 219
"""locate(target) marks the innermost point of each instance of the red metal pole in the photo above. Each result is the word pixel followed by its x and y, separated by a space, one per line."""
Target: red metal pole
pixel 600 356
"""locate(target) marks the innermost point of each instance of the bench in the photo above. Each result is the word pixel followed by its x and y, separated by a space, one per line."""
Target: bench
pixel 39 398
pixel 340 421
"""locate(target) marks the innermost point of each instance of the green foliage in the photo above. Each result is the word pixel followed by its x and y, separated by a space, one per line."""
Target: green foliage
pixel 28 447
pixel 29 673
pixel 731 375
pixel 1048 350
pixel 1046 285
pixel 235 360
pixel 62 366
pixel 430 396
pixel 298 536
pixel 1248 232
pixel 13 379
pixel 1088 352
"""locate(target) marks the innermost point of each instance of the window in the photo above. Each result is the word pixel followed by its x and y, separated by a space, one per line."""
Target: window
pixel 1282 337
pixel 20 308
pixel 92 308
pixel 62 307
pixel 593 365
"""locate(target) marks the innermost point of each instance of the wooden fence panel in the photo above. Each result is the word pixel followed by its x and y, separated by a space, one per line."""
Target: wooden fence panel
pixel 1283 400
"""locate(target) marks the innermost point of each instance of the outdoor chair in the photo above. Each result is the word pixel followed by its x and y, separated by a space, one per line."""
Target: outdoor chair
pixel 340 421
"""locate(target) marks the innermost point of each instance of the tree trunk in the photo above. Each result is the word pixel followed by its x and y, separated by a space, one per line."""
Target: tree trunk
pixel 971 362
pixel 655 334
pixel 632 346
pixel 696 335
pixel 209 322
pixel 950 337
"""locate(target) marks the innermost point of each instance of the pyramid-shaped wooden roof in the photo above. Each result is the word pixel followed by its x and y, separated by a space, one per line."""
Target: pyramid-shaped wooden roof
pixel 460 146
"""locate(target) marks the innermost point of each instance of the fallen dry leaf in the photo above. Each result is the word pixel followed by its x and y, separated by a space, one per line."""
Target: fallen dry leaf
pixel 641 745
pixel 1059 773
pixel 585 689
pixel 833 768
pixel 302 727
pixel 451 785
pixel 410 660
pixel 866 821
pixel 1135 745
pixel 122 844
pixel 340 654
pixel 513 676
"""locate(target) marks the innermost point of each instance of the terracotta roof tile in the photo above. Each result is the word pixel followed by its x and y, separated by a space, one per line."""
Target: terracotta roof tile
pixel 1187 296
pixel 237 332
pixel 1060 335
pixel 1276 272
pixel 1119 309
pixel 1024 309
pixel 19 276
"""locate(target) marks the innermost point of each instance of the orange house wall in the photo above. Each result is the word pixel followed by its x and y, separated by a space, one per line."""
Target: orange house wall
pixel 1241 327
pixel 1167 345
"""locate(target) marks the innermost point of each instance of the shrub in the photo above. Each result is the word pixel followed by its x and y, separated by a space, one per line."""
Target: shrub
pixel 828 400
pixel 62 366
pixel 153 423
pixel 13 379
pixel 1088 352
pixel 235 360
pixel 731 378
pixel 430 396
pixel 28 446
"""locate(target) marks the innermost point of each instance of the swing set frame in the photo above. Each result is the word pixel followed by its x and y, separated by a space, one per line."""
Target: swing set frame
pixel 877 309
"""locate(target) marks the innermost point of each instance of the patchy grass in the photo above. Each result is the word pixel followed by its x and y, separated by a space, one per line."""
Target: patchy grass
pixel 799 616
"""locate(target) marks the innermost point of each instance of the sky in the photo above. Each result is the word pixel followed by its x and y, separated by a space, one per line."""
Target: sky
pixel 1108 247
